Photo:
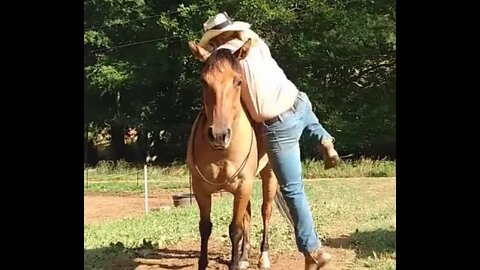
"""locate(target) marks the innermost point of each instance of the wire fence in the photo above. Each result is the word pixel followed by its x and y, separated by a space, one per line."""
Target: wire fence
pixel 149 181
pixel 133 179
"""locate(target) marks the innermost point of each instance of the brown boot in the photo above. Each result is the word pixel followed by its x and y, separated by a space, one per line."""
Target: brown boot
pixel 317 259
pixel 330 155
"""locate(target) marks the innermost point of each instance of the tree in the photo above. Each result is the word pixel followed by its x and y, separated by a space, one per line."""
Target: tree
pixel 139 72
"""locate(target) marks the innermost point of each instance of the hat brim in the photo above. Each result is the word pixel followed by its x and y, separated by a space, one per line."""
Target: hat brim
pixel 235 26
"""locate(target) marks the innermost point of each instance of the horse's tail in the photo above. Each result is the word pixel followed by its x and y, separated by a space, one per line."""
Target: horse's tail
pixel 282 206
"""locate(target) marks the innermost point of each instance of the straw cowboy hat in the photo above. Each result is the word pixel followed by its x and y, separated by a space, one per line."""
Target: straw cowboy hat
pixel 218 24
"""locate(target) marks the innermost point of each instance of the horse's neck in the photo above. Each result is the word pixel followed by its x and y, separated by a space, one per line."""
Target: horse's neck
pixel 245 112
pixel 243 124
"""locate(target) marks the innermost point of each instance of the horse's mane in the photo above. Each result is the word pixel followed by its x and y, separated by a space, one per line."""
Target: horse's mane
pixel 219 57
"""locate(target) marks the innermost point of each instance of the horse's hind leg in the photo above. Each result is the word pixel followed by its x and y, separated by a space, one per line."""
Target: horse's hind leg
pixel 246 239
pixel 204 202
pixel 269 188
pixel 240 202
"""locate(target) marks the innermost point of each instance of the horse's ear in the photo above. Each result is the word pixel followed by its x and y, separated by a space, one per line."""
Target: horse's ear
pixel 242 52
pixel 198 52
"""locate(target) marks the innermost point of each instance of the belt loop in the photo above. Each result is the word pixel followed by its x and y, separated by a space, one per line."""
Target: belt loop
pixel 296 103
pixel 301 96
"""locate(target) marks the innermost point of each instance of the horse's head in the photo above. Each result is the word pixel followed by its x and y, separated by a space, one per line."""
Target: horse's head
pixel 222 79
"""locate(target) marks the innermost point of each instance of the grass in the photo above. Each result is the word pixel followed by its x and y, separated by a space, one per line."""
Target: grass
pixel 131 187
pixel 124 178
pixel 359 168
pixel 356 216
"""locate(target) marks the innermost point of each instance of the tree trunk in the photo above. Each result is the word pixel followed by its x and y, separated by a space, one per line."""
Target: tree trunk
pixel 118 144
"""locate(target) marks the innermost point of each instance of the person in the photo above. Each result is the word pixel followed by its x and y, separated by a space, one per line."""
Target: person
pixel 286 113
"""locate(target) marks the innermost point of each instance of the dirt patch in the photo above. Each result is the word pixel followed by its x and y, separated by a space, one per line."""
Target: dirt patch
pixel 185 257
pixel 98 209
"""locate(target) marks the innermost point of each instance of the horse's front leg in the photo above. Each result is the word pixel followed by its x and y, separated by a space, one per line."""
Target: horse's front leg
pixel 240 202
pixel 244 264
pixel 204 201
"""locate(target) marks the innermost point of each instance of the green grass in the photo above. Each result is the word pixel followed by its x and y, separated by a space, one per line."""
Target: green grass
pixel 126 179
pixel 360 168
pixel 360 212
pixel 106 171
pixel 131 187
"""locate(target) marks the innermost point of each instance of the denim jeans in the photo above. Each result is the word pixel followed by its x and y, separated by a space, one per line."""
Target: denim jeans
pixel 284 153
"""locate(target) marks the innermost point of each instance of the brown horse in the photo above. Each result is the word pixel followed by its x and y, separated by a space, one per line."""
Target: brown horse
pixel 224 154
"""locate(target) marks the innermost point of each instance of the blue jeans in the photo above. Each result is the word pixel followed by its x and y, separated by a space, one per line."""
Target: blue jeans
pixel 284 153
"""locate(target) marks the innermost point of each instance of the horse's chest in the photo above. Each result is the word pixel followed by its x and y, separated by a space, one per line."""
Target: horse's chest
pixel 224 173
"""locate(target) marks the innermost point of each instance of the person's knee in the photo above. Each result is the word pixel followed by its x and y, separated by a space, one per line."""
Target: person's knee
pixel 292 190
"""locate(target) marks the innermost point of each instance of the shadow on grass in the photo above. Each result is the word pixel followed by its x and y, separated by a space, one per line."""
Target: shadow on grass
pixel 117 257
pixel 366 243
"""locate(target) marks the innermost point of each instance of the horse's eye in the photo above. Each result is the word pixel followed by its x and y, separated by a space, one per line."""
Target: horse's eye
pixel 238 83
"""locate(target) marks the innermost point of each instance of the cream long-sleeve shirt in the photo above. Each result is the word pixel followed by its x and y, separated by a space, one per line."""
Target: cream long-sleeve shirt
pixel 270 92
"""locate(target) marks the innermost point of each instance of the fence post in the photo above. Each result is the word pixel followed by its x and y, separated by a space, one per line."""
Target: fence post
pixel 145 178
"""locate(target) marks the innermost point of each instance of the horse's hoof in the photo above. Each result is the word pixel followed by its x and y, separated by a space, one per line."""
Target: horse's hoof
pixel 263 267
pixel 264 262
pixel 242 265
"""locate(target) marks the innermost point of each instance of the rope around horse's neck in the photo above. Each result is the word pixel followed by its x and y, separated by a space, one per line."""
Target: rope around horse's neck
pixel 242 165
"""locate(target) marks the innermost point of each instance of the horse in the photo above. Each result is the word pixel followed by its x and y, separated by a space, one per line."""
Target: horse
pixel 226 152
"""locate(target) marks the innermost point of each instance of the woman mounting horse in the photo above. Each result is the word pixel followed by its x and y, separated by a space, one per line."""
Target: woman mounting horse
pixel 223 153
pixel 272 101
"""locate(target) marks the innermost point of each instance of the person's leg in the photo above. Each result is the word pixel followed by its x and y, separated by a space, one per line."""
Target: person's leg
pixel 314 128
pixel 284 155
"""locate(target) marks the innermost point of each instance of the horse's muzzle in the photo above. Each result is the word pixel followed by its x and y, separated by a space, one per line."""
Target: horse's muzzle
pixel 219 138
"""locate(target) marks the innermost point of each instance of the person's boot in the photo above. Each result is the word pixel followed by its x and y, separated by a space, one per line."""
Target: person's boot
pixel 330 155
pixel 317 259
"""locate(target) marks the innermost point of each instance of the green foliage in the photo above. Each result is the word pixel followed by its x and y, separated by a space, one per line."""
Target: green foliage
pixel 341 53
pixel 96 38
pixel 108 77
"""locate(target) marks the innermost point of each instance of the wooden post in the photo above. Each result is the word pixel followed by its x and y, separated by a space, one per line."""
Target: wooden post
pixel 145 178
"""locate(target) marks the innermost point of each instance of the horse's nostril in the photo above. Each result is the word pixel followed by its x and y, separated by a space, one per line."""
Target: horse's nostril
pixel 210 134
pixel 219 138
pixel 228 135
